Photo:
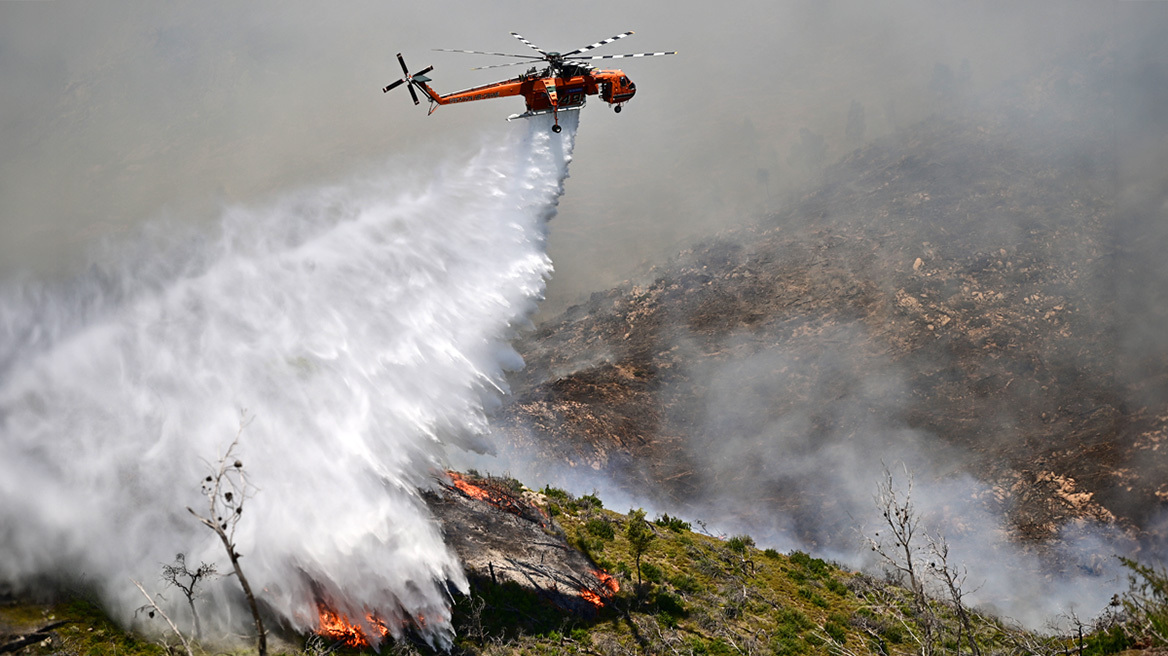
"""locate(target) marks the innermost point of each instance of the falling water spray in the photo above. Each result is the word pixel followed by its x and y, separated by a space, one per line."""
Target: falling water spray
pixel 364 326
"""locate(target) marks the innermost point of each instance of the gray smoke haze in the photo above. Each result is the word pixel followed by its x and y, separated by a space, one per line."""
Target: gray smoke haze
pixel 116 115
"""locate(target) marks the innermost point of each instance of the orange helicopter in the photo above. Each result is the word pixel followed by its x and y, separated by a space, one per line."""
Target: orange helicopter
pixel 561 86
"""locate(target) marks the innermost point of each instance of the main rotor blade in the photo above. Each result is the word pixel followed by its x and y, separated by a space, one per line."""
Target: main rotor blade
pixel 598 44
pixel 529 44
pixel 424 71
pixel 393 86
pixel 479 68
pixel 413 94
pixel 401 60
pixel 479 52
pixel 640 54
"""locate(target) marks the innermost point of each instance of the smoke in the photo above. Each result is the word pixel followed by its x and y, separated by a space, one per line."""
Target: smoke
pixel 363 325
pixel 804 433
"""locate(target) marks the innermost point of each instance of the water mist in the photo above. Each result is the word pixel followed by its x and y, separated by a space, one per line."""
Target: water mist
pixel 364 326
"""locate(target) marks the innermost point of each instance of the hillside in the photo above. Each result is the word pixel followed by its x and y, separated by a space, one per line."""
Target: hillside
pixel 550 591
pixel 964 296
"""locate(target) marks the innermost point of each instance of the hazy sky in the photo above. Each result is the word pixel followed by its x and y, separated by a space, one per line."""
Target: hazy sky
pixel 114 113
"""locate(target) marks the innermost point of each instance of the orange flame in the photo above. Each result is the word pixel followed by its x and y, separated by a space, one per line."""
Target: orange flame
pixel 609 587
pixel 608 581
pixel 500 498
pixel 470 490
pixel 591 597
pixel 337 626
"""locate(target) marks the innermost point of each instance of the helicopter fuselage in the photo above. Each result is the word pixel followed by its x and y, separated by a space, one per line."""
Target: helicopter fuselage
pixel 545 92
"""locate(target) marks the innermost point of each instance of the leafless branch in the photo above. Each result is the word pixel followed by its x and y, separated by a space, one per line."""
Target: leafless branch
pixel 155 608
pixel 227 489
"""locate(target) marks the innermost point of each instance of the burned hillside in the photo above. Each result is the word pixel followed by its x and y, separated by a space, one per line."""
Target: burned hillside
pixel 956 296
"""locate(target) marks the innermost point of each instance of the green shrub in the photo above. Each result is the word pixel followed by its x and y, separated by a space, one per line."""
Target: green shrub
pixel 555 493
pixel 836 632
pixel 652 573
pixel 600 528
pixel 669 604
pixel 813 596
pixel 739 543
pixel 835 586
pixel 787 646
pixel 1111 641
pixel 591 501
pixel 793 620
pixel 770 553
pixel 893 634
pixel 786 640
pixel 685 583
pixel 814 566
pixel 672 523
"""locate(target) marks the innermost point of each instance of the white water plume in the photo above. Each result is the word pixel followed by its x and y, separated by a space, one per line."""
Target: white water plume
pixel 362 325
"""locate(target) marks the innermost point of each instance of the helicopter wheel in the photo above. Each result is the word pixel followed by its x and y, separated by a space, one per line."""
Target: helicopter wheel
pixel 556 128
pixel 617 109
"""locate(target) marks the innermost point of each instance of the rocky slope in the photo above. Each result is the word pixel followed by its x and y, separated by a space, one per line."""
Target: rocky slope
pixel 958 296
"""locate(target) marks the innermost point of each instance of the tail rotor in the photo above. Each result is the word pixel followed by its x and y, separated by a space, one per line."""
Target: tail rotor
pixel 411 81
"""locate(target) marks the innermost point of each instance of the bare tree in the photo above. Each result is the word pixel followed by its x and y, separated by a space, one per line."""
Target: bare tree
pixel 187 580
pixel 953 578
pixel 900 550
pixel 226 489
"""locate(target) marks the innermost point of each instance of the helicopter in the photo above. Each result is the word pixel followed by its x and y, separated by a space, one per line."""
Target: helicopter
pixel 562 85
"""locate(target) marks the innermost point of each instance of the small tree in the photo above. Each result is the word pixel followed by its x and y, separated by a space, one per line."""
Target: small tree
pixel 226 489
pixel 953 578
pixel 900 548
pixel 640 535
pixel 187 580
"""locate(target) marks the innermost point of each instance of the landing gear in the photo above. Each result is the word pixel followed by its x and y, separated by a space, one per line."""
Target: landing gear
pixel 617 109
pixel 556 128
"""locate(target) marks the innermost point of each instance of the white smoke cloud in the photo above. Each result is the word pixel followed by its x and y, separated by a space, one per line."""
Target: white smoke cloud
pixel 362 325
